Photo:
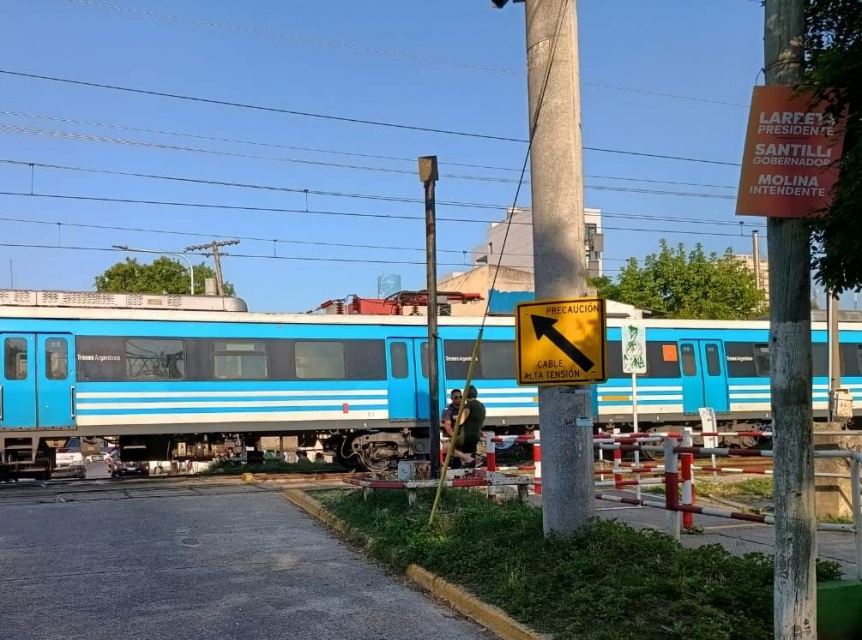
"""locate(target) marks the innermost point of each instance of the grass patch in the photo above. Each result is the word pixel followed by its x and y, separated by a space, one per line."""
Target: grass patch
pixel 611 581
pixel 225 467
pixel 742 490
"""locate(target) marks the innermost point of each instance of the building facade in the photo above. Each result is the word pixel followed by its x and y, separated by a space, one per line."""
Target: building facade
pixel 518 252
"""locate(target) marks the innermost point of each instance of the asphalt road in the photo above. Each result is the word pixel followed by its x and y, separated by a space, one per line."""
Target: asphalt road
pixel 212 562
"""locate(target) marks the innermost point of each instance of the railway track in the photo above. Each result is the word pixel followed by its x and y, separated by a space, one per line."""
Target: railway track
pixel 54 491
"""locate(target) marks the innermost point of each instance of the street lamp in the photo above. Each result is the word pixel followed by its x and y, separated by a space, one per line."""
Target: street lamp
pixel 123 247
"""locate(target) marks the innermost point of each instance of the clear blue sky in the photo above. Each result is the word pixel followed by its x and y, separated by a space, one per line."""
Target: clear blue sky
pixel 317 57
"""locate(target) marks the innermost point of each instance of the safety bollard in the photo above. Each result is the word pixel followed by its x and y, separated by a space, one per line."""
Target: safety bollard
pixel 618 461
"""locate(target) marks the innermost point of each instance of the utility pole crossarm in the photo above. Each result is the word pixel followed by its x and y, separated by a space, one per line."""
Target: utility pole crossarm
pixel 212 249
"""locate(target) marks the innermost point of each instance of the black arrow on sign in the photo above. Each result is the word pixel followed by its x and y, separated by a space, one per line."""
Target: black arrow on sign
pixel 545 327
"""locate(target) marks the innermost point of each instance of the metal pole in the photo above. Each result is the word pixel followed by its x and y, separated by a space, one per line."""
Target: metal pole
pixel 428 176
pixel 834 353
pixel 856 503
pixel 795 592
pixel 557 173
pixel 755 255
pixel 191 272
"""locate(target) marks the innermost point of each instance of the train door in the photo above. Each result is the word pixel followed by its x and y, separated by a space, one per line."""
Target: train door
pixel 37 386
pixel 55 388
pixel 407 367
pixel 704 375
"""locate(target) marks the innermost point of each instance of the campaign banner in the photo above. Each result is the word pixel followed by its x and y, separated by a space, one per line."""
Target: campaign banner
pixel 792 154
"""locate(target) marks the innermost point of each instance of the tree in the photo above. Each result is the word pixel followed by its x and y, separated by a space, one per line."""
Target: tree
pixel 833 70
pixel 677 284
pixel 163 275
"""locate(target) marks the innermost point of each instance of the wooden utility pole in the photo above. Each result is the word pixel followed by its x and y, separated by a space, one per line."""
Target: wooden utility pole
pixel 789 251
pixel 212 249
pixel 557 177
pixel 428 176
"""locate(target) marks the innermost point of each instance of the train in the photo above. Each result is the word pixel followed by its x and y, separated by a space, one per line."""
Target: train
pixel 191 377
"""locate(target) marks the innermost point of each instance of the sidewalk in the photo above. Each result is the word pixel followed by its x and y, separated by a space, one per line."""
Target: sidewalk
pixel 736 536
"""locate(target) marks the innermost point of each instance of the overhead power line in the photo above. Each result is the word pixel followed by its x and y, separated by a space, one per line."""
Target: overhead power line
pixel 345 119
pixel 307 192
pixel 86 137
pixel 403 55
pixel 412 171
pixel 354 214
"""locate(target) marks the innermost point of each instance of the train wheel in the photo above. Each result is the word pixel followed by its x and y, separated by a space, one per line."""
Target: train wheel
pixel 653 456
pixel 377 459
pixel 344 454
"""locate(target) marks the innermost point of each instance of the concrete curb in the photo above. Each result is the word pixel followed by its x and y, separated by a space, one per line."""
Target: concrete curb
pixel 492 618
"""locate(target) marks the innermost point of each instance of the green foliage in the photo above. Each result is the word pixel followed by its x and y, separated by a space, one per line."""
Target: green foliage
pixel 679 284
pixel 833 69
pixel 163 275
pixel 611 581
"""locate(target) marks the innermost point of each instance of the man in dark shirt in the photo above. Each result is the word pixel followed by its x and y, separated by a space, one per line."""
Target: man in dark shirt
pixel 450 413
pixel 470 432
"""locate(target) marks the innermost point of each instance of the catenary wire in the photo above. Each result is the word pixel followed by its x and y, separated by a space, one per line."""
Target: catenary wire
pixel 385 216
pixel 86 137
pixel 316 192
pixel 344 119
pixel 127 127
pixel 404 55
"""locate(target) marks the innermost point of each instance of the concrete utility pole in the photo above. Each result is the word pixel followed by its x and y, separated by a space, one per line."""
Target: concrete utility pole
pixel 428 176
pixel 556 163
pixel 789 251
pixel 212 249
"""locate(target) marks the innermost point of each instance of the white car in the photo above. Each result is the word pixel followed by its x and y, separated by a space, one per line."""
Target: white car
pixel 69 459
pixel 102 456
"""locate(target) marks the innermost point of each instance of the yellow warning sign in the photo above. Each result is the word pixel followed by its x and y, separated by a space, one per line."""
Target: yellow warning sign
pixel 561 342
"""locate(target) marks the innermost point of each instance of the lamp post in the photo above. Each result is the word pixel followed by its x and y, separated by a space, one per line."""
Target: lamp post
pixel 123 247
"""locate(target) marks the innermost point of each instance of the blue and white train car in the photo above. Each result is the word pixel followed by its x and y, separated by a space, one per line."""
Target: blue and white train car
pixel 163 371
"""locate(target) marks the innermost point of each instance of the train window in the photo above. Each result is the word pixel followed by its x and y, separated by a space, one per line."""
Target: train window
pixel 456 358
pixel 366 359
pixel 497 359
pixel 423 356
pixel 740 360
pixel 851 365
pixel 820 361
pixel 320 360
pixel 689 366
pixel 713 364
pixel 240 360
pixel 15 351
pixel 398 356
pixel 662 360
pixel 154 359
pixel 56 359
pixel 761 360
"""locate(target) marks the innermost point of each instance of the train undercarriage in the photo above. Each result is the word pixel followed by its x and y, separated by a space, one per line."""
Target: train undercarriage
pixel 361 450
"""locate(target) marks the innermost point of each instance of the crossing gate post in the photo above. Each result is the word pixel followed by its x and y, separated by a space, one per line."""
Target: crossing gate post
pixel 537 462
pixel 618 464
pixel 671 480
pixel 490 460
pixel 686 461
